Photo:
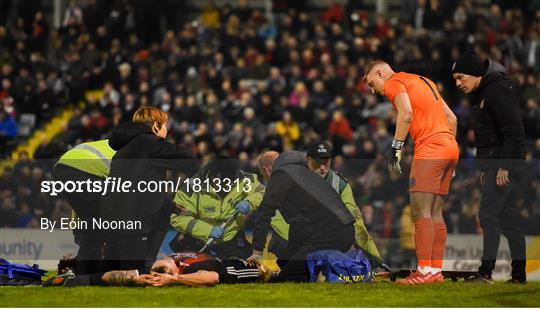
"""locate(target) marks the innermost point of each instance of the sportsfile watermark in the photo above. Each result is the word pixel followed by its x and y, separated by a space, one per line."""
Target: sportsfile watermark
pixel 36 197
pixel 119 185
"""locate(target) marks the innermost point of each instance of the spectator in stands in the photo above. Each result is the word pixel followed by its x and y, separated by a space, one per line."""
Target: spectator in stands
pixel 289 131
pixel 339 130
pixel 8 209
pixel 298 94
pixel 8 132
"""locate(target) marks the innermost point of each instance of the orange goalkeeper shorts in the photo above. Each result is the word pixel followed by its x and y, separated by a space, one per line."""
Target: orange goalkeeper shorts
pixel 433 166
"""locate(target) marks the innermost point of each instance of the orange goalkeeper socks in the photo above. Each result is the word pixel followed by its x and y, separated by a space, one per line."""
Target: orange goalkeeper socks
pixel 423 236
pixel 439 244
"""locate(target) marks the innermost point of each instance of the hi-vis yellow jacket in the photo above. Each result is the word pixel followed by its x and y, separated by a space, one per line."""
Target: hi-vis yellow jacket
pixel 203 209
pixel 92 157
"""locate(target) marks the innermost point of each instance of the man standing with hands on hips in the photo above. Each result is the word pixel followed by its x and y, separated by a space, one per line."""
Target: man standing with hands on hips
pixel 500 143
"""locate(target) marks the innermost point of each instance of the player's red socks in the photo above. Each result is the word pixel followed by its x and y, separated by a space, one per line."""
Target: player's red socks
pixel 423 236
pixel 439 244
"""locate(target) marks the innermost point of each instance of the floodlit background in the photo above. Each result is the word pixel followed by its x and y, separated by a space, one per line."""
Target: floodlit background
pixel 245 76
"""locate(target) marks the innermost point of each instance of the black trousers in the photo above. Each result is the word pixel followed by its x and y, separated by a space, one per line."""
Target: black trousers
pixel 126 251
pixel 296 268
pixel 86 206
pixel 499 215
pixel 132 251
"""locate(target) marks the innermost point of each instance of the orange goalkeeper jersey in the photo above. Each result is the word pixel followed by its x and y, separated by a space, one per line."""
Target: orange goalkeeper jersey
pixel 429 124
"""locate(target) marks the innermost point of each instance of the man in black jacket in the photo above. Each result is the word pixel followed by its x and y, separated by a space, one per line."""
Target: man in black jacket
pixel 500 143
pixel 143 155
pixel 317 217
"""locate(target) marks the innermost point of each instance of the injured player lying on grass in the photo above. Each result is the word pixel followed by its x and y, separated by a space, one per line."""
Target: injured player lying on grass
pixel 185 268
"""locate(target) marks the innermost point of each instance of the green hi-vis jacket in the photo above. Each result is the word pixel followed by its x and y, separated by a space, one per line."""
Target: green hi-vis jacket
pixel 201 210
pixel 343 188
pixel 92 157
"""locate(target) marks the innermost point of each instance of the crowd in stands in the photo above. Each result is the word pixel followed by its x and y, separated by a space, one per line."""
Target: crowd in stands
pixel 239 80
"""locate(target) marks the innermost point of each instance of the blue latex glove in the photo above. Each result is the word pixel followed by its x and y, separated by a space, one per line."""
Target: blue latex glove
pixel 243 207
pixel 216 232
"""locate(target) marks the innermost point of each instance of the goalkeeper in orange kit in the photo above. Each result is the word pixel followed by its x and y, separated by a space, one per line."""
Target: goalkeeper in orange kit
pixel 422 112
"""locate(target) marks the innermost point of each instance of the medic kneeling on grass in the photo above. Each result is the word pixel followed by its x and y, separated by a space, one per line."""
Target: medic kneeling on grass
pixel 184 268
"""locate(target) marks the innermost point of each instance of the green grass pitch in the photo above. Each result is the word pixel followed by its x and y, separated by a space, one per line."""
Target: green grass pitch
pixel 381 294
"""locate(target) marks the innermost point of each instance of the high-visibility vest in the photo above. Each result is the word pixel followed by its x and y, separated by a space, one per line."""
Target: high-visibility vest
pixel 92 157
pixel 279 226
pixel 202 210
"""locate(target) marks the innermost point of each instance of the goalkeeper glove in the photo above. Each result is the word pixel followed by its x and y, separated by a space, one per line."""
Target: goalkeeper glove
pixel 394 165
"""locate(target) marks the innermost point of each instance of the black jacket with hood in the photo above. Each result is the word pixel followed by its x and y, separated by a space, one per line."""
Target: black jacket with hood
pixel 500 135
pixel 307 202
pixel 140 156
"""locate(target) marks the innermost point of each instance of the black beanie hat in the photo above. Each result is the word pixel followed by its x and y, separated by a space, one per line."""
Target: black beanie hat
pixel 469 64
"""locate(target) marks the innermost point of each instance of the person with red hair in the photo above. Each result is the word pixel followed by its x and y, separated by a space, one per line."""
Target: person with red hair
pixel 142 155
